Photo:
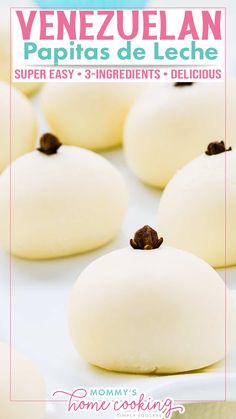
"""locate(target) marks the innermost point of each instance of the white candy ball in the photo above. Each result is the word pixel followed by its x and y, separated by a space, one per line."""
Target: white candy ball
pixel 170 125
pixel 89 115
pixel 193 214
pixel 149 311
pixel 27 384
pixel 62 204
pixel 27 88
pixel 23 126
